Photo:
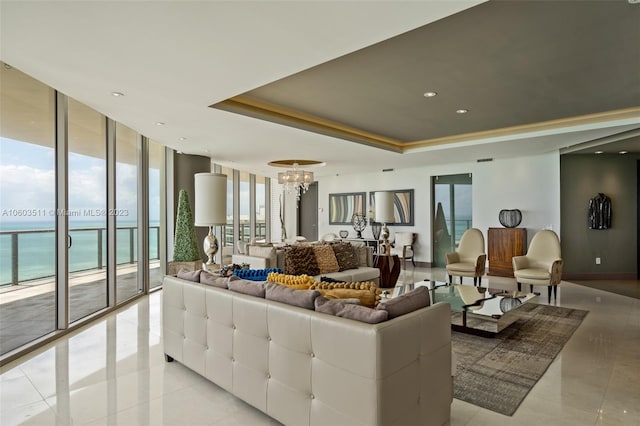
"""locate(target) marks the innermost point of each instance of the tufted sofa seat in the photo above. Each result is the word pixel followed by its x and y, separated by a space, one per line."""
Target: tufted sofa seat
pixel 303 367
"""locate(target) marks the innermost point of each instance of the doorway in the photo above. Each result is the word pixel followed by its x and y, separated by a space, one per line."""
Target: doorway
pixel 308 213
pixel 451 214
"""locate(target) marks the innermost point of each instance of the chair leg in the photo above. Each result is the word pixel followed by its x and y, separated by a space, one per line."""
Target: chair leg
pixel 479 281
pixel 460 280
pixel 413 261
pixel 530 288
pixel 555 293
pixel 474 281
pixel 519 287
pixel 450 279
pixel 549 294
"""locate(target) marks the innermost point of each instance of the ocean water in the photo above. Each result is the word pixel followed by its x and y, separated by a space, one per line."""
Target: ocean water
pixel 36 250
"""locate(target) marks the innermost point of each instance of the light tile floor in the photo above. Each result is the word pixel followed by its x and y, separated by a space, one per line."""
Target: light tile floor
pixel 112 372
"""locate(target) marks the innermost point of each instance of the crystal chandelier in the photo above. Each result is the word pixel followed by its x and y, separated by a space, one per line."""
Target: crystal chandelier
pixel 295 181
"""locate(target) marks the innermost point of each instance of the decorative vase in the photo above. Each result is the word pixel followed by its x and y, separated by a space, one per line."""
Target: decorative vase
pixel 508 303
pixel 510 218
pixel 375 230
pixel 343 234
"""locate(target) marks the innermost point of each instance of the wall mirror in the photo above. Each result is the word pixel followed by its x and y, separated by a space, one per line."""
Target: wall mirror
pixel 402 206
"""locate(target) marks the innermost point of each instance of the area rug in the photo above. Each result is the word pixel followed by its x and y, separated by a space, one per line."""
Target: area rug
pixel 498 373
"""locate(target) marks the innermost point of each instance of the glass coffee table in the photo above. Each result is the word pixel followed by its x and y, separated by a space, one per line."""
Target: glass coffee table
pixel 481 311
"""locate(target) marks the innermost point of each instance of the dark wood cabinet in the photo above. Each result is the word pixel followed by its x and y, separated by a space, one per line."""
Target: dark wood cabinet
pixel 505 243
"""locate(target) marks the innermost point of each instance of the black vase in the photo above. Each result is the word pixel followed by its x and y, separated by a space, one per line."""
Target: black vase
pixel 510 218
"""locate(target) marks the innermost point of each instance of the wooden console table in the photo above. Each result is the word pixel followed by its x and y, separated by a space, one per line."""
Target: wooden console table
pixel 504 244
pixel 389 265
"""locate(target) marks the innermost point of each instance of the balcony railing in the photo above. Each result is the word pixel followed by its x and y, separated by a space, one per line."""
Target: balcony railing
pixel 245 232
pixel 30 254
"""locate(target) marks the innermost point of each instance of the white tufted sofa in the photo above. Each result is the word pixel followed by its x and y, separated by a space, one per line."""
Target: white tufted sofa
pixel 302 367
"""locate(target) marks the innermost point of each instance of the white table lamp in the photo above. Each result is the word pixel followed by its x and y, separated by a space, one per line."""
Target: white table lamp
pixel 210 207
pixel 384 214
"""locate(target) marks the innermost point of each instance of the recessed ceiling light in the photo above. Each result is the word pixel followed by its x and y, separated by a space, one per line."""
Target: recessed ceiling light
pixel 462 111
pixel 182 138
pixel 623 152
pixel 430 94
pixel 159 123
pixel 117 94
pixel 598 152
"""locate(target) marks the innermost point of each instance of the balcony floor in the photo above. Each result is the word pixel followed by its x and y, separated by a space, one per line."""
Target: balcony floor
pixel 27 310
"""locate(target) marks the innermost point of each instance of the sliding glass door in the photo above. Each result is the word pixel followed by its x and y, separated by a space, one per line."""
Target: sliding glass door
pixel 27 209
pixel 87 171
pixel 451 215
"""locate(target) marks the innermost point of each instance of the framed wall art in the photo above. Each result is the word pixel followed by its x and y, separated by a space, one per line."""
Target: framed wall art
pixel 343 206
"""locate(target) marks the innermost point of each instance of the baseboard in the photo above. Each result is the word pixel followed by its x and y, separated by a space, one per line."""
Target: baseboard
pixel 600 276
pixel 423 264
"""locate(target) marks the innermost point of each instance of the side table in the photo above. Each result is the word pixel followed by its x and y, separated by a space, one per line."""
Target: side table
pixel 389 265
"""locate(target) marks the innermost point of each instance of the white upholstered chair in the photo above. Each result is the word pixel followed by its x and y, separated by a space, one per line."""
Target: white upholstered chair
pixel 470 258
pixel 403 247
pixel 542 265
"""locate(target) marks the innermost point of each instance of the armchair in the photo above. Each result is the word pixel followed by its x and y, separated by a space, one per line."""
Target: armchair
pixel 470 258
pixel 403 247
pixel 542 265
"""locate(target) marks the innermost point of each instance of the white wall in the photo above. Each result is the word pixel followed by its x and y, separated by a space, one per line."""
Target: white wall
pixel 531 184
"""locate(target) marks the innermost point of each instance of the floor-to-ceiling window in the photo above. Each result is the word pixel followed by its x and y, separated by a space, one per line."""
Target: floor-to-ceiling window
pixel 27 208
pixel 452 213
pixel 261 224
pixel 156 167
pixel 126 212
pixel 55 162
pixel 228 230
pixel 87 171
pixel 245 229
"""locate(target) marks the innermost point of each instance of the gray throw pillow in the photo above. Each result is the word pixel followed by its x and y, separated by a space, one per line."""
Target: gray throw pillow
pixel 339 308
pixel 408 302
pixel 189 275
pixel 291 296
pixel 252 288
pixel 208 278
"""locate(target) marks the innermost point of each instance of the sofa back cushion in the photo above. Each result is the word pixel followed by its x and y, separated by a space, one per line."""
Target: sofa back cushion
pixel 408 302
pixel 189 275
pixel 252 288
pixel 266 252
pixel 300 260
pixel 348 310
pixel 326 258
pixel 208 278
pixel 344 255
pixel 301 298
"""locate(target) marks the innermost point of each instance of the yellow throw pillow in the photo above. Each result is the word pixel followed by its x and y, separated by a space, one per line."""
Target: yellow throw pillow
pixel 298 282
pixel 367 292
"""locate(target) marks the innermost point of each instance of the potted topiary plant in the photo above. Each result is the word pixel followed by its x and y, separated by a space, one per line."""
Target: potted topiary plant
pixel 185 247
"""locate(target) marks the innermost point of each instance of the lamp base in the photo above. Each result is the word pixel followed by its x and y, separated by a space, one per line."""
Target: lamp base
pixel 210 246
pixel 384 234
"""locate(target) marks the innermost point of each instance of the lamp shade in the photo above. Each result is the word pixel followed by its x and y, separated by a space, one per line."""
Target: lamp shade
pixel 210 199
pixel 384 207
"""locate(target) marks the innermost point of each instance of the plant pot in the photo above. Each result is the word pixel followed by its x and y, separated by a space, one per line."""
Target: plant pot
pixel 174 267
